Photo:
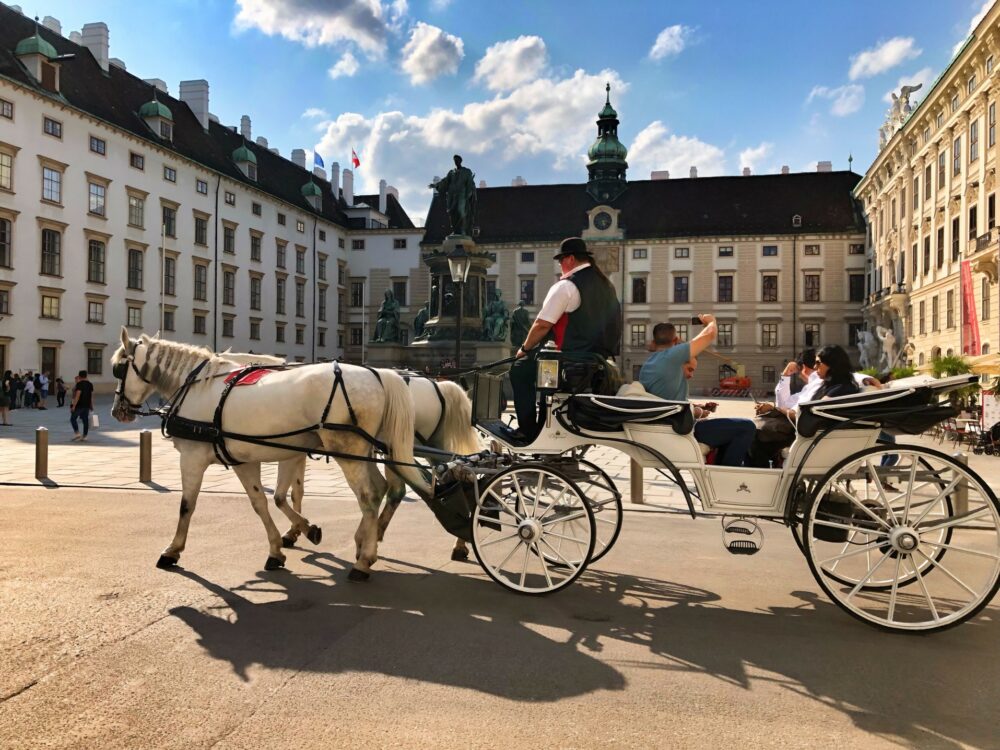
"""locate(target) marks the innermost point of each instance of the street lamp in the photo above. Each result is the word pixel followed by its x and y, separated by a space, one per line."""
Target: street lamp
pixel 459 262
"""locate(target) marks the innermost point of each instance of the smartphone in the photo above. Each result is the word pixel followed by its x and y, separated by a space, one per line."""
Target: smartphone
pixel 696 321
pixel 754 397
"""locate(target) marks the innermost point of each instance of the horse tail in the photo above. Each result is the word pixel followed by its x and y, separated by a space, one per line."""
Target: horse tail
pixel 457 433
pixel 397 431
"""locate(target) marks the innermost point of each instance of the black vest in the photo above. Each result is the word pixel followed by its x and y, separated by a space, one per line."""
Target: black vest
pixel 596 325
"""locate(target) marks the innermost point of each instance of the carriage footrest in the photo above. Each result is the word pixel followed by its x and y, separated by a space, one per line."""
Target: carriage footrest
pixel 743 547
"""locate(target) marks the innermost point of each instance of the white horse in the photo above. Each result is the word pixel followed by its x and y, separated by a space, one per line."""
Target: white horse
pixel 285 401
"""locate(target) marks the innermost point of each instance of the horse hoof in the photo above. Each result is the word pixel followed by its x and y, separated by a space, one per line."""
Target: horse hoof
pixel 287 541
pixel 358 575
pixel 460 554
pixel 315 534
pixel 273 563
pixel 165 563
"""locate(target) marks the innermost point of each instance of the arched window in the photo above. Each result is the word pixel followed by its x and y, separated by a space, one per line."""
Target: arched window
pixel 986 348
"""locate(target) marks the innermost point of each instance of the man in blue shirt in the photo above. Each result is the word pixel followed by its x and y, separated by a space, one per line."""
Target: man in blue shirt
pixel 666 374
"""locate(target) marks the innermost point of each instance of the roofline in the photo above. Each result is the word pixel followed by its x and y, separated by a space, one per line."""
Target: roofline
pixel 675 179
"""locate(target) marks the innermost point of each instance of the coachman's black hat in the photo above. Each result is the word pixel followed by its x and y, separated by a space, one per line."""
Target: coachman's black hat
pixel 573 246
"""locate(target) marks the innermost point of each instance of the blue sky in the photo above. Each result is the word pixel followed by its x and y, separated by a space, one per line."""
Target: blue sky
pixel 515 86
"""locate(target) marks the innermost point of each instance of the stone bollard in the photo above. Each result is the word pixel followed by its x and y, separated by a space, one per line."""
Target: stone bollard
pixel 636 483
pixel 145 456
pixel 962 491
pixel 42 453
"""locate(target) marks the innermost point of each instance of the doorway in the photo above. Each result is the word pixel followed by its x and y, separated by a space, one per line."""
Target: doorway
pixel 50 362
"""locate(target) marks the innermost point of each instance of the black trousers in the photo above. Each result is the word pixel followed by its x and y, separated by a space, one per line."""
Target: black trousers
pixel 523 374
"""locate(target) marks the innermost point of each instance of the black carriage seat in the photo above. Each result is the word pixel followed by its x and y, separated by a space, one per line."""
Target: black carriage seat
pixel 596 413
pixel 588 373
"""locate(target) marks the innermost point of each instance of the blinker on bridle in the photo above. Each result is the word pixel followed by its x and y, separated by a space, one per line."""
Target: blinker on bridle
pixel 120 372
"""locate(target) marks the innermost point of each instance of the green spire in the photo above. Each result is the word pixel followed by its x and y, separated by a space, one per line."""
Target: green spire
pixel 608 110
pixel 244 154
pixel 35 45
pixel 155 109
pixel 606 165
pixel 311 190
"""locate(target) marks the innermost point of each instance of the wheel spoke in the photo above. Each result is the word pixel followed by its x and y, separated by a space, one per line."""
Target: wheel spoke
pixel 836 525
pixel 941 495
pixel 895 588
pixel 923 588
pixel 574 566
pixel 937 564
pixel 566 519
pixel 866 509
pixel 877 480
pixel 567 538
pixel 554 505
pixel 980 553
pixel 859 550
pixel 865 580
pixel 545 568
pixel 909 490
pixel 538 491
pixel 502 504
pixel 524 565
pixel 498 540
pixel 954 521
pixel 510 554
pixel 520 495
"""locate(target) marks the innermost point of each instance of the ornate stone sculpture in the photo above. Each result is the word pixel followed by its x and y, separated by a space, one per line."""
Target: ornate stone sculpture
pixel 888 339
pixel 387 325
pixel 495 319
pixel 458 188
pixel 423 314
pixel 867 350
pixel 520 322
pixel 896 114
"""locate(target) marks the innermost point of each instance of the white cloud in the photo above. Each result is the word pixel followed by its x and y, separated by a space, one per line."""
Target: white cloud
pixel 923 76
pixel 980 15
pixel 346 66
pixel 846 99
pixel 883 57
pixel 431 52
pixel 315 113
pixel 321 22
pixel 656 148
pixel 753 156
pixel 670 41
pixel 507 65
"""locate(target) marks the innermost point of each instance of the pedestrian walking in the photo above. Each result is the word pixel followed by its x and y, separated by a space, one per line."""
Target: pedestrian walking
pixel 29 391
pixel 83 402
pixel 60 392
pixel 43 389
pixel 5 388
pixel 15 391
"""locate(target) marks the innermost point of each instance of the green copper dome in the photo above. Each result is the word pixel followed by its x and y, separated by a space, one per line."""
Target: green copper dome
pixel 606 165
pixel 155 109
pixel 608 148
pixel 244 154
pixel 311 190
pixel 35 45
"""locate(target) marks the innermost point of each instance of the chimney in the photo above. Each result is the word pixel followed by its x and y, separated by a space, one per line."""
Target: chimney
pixel 482 183
pixel 381 196
pixel 784 169
pixel 52 24
pixel 195 95
pixel 660 174
pixel 746 171
pixel 76 38
pixel 96 39
pixel 213 118
pixel 518 182
pixel 335 177
pixel 694 172
pixel 17 8
pixel 348 188
pixel 299 158
pixel 117 62
pixel 275 151
pixel 245 126
pixel 159 83
pixel 319 172
pixel 824 166
pixel 390 190
pixel 262 141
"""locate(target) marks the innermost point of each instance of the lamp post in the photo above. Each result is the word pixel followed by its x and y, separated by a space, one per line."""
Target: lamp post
pixel 459 262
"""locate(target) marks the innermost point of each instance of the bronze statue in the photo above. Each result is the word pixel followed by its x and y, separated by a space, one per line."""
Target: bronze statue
pixel 520 322
pixel 423 315
pixel 458 188
pixel 495 318
pixel 387 325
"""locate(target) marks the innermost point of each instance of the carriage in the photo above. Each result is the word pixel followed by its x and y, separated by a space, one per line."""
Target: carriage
pixel 901 536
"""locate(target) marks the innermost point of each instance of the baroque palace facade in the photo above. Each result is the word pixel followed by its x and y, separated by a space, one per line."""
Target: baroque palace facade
pixel 930 200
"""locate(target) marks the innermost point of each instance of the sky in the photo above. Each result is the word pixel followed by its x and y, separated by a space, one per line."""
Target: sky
pixel 515 87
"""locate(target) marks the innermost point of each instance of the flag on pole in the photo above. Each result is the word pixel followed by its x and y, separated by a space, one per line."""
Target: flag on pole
pixel 318 160
pixel 354 159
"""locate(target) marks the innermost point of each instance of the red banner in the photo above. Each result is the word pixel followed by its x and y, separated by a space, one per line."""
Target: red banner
pixel 970 322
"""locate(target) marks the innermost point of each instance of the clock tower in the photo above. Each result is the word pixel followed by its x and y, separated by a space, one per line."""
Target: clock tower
pixel 606 165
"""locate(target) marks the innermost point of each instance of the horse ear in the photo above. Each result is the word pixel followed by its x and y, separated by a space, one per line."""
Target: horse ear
pixel 155 335
pixel 125 339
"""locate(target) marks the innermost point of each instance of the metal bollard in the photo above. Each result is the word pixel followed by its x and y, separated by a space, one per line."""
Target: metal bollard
pixel 962 491
pixel 42 453
pixel 636 483
pixel 145 456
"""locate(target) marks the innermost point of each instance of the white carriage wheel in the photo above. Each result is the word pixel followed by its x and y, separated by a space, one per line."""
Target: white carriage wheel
pixel 899 543
pixel 527 515
pixel 607 506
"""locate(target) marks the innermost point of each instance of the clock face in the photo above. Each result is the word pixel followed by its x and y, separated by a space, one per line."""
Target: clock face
pixel 602 220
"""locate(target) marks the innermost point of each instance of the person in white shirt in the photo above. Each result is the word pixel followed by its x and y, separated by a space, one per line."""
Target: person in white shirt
pixel 43 381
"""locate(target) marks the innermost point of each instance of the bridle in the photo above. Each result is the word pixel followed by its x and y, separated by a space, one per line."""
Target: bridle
pixel 120 372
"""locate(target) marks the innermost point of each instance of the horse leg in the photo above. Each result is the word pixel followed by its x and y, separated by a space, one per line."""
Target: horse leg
pixel 193 466
pixel 394 496
pixel 249 476
pixel 290 474
pixel 460 551
pixel 369 487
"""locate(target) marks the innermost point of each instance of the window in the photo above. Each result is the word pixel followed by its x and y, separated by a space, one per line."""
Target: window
pixel 95 312
pixel 52 127
pixel 528 291
pixel 973 222
pixel 279 297
pixel 51 185
pixel 357 244
pixel 973 140
pixel 227 327
pixel 230 198
pixel 229 287
pixel 940 247
pixel 340 242
pixel 300 226
pixel 167 134
pixel 255 330
pixel 989 64
pixel 927 255
pixel 300 261
pixel 300 299
pixel 725 338
pixel 281 219
pixel 902 208
pixel 355 336
pixel 528 257
pixel 50 306
pixel 956 162
pixel 770 251
pixel 892 219
pixel 811 250
pixel 916 193
pixel 201 282
pixel 321 338
pixel 199 323
pixel 640 253
pixel 954 239
pixel 811 289
pixel 949 308
pixel 985 297
pixel 251 170
pixel 6 259
pixel 136 210
pixel 935 314
pixel 971 85
pixel 168 320
pixel 725 288
pixel 991 211
pixel 95 361
pixel 942 157
pixel 169 174
pixel 135 316
pixel 6 171
pixel 681 289
pixel 201 186
pixel 954 103
pixel 51 253
pixel 639 290
pixel 992 123
pixel 682 331
pixel 769 335
pixel 321 267
pixel 95 261
pixel 6 109
pixel 279 333
pixel 726 251
pixel 856 287
pixel 769 288
pixel 920 318
pixel 768 374
pixel 811 334
pixel 170 276
pixel 255 246
pixel 638 335
pixel 279 260
pixel 321 303
pixel 682 252
pixel 357 293
pixel 255 283
pixel 169 221
pixel 322 237
pixel 491 288
pixel 136 161
pixel 135 261
pixel 98 145
pixel 255 208
pixel 200 230
pixel 399 292
pixel 914 262
pixel 96 196
pixel 856 249
pixel 229 240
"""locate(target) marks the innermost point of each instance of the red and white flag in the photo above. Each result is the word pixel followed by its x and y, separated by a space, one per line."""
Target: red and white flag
pixel 354 159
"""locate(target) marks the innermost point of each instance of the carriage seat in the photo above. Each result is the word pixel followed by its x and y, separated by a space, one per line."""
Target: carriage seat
pixel 633 403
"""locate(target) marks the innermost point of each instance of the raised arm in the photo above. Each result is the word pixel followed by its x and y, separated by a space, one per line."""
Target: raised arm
pixel 708 334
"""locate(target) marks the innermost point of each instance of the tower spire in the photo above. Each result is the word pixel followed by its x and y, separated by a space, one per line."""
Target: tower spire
pixel 606 165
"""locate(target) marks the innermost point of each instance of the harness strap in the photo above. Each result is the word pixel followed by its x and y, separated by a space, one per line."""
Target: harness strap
pixel 437 391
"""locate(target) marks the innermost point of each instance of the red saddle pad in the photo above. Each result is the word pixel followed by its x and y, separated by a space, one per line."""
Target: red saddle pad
pixel 248 379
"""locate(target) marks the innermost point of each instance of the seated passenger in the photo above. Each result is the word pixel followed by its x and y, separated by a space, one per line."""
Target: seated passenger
pixel 835 379
pixel 774 431
pixel 666 374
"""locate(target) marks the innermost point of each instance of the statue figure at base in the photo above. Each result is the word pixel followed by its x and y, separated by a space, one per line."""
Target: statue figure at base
pixel 423 315
pixel 495 319
pixel 520 322
pixel 387 325
pixel 868 350
pixel 888 339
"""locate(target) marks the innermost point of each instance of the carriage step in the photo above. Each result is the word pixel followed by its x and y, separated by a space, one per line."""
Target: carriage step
pixel 742 547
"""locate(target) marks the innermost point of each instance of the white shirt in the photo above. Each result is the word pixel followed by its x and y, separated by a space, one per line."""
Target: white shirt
pixel 783 397
pixel 808 393
pixel 563 297
pixel 44 380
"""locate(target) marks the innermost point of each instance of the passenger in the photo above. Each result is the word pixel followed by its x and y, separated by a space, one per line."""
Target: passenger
pixel 794 378
pixel 666 374
pixel 774 431
pixel 835 379
pixel 581 312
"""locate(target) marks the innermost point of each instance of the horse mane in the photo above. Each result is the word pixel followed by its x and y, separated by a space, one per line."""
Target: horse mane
pixel 171 361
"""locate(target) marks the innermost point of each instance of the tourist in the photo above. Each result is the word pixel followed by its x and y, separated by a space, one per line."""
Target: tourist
pixel 83 402
pixel 29 391
pixel 60 392
pixel 5 398
pixel 43 389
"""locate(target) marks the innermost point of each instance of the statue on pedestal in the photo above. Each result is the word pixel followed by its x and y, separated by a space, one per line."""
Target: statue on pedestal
pixel 888 339
pixel 520 322
pixel 459 190
pixel 387 325
pixel 495 318
pixel 423 314
pixel 868 350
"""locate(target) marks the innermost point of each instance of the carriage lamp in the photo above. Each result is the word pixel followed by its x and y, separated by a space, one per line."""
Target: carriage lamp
pixel 548 374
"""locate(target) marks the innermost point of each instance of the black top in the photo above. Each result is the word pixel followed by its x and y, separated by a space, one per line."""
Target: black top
pixel 595 326
pixel 846 388
pixel 85 400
